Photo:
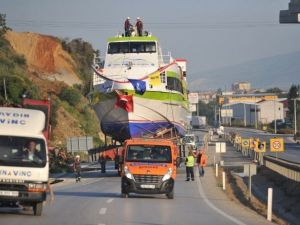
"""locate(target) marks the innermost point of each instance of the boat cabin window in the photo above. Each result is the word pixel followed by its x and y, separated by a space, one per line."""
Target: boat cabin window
pixel 174 84
pixel 131 47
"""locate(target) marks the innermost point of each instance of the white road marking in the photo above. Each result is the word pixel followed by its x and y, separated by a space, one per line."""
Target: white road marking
pixel 93 181
pixel 102 211
pixel 109 200
pixel 212 206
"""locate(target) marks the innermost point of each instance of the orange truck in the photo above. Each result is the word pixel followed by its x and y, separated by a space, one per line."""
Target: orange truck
pixel 148 166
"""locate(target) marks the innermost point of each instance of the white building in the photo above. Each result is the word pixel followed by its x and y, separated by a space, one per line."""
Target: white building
pixel 248 113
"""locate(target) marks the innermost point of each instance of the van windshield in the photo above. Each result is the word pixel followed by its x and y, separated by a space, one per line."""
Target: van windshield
pixel 149 153
pixel 189 139
pixel 22 151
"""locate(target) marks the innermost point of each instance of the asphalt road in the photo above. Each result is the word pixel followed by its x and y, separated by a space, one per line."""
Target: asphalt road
pixel 97 201
pixel 292 150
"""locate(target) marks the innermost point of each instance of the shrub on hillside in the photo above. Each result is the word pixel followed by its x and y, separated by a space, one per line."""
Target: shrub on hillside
pixel 70 95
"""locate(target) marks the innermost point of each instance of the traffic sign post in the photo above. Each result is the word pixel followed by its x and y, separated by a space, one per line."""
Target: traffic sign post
pixel 276 145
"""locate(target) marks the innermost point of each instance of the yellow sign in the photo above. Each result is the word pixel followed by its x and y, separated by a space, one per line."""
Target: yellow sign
pixel 238 139
pixel 276 145
pixel 245 143
pixel 154 79
pixel 260 146
pixel 251 140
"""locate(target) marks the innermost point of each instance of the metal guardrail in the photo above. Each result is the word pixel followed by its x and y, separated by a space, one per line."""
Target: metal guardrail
pixel 286 168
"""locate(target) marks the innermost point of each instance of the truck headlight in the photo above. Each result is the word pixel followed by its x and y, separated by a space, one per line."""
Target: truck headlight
pixel 128 174
pixel 168 175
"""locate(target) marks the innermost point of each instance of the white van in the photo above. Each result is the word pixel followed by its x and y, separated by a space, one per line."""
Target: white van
pixel 24 165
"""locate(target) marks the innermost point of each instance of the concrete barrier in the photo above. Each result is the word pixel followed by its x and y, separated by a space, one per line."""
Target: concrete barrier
pixel 288 169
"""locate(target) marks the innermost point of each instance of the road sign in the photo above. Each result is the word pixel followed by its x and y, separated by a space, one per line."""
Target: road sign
pixel 276 145
pixel 220 147
pixel 249 169
pixel 245 143
pixel 226 113
pixel 260 146
pixel 238 139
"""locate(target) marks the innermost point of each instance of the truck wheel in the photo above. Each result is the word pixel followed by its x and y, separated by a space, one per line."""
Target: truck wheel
pixel 124 195
pixel 170 195
pixel 37 209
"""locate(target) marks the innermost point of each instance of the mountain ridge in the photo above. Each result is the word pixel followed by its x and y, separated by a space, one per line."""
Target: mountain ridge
pixel 276 71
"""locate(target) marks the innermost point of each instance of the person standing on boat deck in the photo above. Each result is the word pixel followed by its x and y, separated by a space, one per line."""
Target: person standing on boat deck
pixel 127 27
pixel 139 26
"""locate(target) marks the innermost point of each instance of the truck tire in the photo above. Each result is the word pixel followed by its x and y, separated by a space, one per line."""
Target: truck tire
pixel 124 194
pixel 38 208
pixel 170 195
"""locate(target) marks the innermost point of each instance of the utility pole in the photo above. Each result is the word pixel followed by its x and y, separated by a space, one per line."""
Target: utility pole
pixel 245 123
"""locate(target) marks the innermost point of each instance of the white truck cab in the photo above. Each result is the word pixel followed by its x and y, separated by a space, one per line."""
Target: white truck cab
pixel 24 165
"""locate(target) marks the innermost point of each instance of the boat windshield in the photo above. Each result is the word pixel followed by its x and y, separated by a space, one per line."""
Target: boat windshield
pixel 131 47
pixel 22 151
pixel 148 153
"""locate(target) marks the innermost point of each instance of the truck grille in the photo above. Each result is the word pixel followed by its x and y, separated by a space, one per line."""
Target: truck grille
pixel 148 178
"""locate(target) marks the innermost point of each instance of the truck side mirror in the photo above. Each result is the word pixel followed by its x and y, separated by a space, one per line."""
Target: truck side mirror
pixel 177 162
pixel 120 160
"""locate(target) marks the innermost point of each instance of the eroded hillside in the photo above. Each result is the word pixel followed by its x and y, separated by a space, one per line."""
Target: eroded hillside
pixel 53 70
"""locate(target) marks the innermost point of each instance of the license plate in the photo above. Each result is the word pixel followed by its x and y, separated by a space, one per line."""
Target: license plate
pixel 9 193
pixel 149 186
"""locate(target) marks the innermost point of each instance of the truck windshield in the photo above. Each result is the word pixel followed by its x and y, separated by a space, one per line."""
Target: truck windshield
pixel 148 153
pixel 22 151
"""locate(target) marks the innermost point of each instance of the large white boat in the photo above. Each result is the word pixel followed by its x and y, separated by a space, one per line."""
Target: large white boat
pixel 138 91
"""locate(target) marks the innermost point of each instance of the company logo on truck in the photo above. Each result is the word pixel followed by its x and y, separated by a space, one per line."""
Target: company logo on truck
pixel 13 118
pixel 15 173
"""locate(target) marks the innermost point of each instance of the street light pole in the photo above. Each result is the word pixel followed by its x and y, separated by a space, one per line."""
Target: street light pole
pixel 275 125
pixel 295 115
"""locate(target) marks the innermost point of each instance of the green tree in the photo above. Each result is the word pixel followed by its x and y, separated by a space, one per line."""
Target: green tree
pixel 207 110
pixel 70 95
pixel 277 91
pixel 3 27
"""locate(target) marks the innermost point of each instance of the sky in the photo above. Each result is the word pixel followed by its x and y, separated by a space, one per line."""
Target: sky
pixel 209 34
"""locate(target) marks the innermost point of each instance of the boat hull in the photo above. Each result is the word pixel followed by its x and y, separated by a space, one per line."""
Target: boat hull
pixel 147 117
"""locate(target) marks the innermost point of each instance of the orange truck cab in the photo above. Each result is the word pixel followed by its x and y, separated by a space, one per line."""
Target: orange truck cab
pixel 148 167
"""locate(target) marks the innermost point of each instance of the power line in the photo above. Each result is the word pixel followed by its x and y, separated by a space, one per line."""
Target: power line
pixel 84 25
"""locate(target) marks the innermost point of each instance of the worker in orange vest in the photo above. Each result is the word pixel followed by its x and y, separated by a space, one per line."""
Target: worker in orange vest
pixel 203 161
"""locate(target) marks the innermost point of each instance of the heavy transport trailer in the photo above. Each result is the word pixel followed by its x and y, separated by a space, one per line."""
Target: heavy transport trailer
pixel 148 166
pixel 24 173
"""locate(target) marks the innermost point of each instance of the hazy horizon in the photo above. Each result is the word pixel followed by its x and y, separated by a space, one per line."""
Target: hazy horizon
pixel 210 35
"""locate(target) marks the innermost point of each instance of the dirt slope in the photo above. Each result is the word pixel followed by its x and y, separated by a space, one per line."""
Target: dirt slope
pixel 44 56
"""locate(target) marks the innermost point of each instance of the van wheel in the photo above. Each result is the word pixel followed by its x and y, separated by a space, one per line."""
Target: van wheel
pixel 170 195
pixel 37 209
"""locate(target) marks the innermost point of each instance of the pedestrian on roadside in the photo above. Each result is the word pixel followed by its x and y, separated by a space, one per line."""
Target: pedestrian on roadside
pixel 190 162
pixel 102 161
pixel 139 26
pixel 198 160
pixel 203 162
pixel 77 168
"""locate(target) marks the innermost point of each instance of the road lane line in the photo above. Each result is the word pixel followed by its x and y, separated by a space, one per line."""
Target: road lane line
pixel 102 211
pixel 109 200
pixel 93 181
pixel 212 206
